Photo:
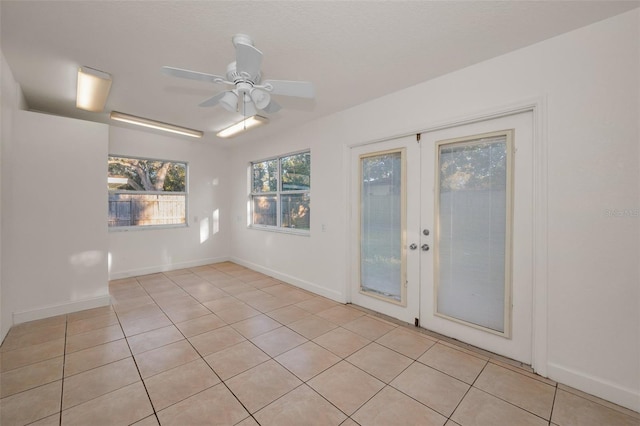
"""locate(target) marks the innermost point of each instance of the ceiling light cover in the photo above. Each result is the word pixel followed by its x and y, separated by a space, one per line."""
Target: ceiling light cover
pixel 229 101
pixel 242 126
pixel 93 89
pixel 260 97
pixel 145 122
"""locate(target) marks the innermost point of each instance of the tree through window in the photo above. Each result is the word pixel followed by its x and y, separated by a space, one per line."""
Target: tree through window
pixel 146 192
pixel 281 192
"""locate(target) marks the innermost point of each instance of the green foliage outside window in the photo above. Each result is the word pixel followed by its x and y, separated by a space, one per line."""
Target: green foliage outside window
pixel 146 175
pixel 146 192
pixel 280 192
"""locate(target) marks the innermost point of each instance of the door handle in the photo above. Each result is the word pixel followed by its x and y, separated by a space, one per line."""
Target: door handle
pixel 413 246
pixel 425 247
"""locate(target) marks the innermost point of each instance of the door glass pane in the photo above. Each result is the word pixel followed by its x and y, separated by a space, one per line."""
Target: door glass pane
pixel 381 271
pixel 472 231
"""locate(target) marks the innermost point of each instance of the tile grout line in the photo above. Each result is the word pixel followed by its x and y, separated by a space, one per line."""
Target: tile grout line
pixel 451 342
pixel 468 390
pixel 514 405
pixel 601 402
pixel 501 399
pixel 206 363
pixel 553 404
pixel 271 358
pixel 252 415
pixel 494 361
pixel 522 372
pixel 135 362
pixel 487 362
pixel 341 359
pixel 64 362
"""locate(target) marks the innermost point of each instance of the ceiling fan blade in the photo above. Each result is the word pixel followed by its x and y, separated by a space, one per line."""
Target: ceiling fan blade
pixel 272 107
pixel 248 60
pixel 299 89
pixel 193 75
pixel 212 101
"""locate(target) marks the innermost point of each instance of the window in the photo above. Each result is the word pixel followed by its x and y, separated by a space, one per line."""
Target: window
pixel 146 192
pixel 281 192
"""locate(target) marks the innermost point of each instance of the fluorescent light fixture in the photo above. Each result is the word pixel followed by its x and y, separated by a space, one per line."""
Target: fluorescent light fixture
pixel 145 122
pixel 93 89
pixel 242 126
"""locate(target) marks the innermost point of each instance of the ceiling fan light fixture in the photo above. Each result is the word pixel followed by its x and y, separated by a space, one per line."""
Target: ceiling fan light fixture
pixel 260 98
pixel 229 101
pixel 92 89
pixel 158 125
pixel 242 126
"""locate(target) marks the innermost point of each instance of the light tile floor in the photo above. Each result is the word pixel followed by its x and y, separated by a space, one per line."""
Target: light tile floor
pixel 222 344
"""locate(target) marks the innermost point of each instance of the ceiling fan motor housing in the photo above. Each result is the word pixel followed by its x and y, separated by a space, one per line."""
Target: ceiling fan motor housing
pixel 240 77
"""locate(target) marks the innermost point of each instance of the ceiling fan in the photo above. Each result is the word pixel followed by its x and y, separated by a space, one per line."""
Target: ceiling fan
pixel 249 93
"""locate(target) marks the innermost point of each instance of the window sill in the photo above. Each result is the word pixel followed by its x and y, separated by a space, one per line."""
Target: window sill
pixel 145 228
pixel 292 231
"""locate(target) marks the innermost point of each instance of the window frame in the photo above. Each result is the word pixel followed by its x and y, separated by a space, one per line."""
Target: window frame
pixel 278 193
pixel 178 193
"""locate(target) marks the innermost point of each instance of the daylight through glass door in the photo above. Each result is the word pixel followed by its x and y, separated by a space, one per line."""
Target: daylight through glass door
pixel 473 217
pixel 382 204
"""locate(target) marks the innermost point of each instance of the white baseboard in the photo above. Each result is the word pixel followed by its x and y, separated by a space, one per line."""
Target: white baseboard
pixel 164 268
pixel 61 309
pixel 625 397
pixel 305 285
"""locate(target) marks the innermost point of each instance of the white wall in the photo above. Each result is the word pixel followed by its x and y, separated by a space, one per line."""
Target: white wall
pixel 54 217
pixel 205 240
pixel 587 82
pixel 12 100
pixel 315 262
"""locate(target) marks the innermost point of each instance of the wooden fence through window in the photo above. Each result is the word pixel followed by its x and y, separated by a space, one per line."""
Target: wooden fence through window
pixel 143 209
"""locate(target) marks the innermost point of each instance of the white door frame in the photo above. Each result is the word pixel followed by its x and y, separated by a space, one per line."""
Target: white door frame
pixel 537 106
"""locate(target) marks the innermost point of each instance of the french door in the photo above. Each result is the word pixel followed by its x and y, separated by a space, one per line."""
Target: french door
pixel 450 218
pixel 384 211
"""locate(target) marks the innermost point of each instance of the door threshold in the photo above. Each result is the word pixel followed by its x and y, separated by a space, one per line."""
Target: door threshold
pixel 452 341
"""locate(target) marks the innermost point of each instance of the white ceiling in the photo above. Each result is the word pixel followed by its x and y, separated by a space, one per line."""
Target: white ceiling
pixel 352 51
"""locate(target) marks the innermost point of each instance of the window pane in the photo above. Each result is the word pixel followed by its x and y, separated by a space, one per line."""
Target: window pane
pixel 381 225
pixel 141 209
pixel 296 172
pixel 472 231
pixel 135 174
pixel 296 211
pixel 265 210
pixel 264 176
